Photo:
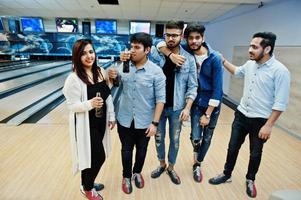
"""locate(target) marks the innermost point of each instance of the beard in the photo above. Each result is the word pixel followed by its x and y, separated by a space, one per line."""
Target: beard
pixel 196 47
pixel 258 58
pixel 172 45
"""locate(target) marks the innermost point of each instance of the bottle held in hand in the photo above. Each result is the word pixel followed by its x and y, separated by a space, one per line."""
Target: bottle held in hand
pixel 126 65
pixel 98 111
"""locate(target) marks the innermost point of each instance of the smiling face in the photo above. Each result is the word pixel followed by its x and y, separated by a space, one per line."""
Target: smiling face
pixel 88 56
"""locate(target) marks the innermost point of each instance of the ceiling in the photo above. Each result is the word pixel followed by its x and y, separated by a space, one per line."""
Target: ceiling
pixel 154 10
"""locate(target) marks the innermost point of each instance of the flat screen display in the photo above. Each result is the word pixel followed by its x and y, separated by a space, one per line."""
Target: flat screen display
pixel 66 25
pixel 1 26
pixel 106 26
pixel 32 24
pixel 139 27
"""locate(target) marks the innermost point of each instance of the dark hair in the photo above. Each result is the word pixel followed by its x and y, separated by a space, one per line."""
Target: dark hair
pixel 175 24
pixel 194 27
pixel 143 38
pixel 78 68
pixel 268 39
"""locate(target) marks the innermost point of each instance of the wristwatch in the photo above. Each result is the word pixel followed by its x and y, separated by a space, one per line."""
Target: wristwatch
pixel 207 115
pixel 155 123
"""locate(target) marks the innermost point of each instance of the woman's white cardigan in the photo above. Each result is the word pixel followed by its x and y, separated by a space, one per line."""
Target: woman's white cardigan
pixel 75 91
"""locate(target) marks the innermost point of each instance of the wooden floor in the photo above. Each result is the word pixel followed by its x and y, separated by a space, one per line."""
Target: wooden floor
pixel 35 164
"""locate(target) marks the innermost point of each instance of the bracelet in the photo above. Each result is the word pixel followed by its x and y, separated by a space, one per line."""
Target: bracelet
pixel 155 123
pixel 169 54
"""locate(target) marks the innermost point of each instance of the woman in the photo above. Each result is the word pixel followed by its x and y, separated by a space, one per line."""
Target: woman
pixel 90 117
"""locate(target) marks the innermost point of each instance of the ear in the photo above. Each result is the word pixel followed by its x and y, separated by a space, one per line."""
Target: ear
pixel 203 39
pixel 267 49
pixel 147 50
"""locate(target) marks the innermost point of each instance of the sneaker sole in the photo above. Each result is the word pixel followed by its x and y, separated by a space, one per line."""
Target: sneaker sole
pixel 227 181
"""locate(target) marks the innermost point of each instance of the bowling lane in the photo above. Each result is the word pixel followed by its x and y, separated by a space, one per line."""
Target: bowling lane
pixel 12 104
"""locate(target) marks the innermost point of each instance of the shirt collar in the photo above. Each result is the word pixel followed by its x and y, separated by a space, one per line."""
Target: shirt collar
pixel 268 63
pixel 144 67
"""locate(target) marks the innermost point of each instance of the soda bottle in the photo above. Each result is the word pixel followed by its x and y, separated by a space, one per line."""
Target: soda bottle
pixel 98 111
pixel 126 65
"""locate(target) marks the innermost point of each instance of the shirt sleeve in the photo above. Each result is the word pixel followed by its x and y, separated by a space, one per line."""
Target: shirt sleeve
pixel 160 87
pixel 240 71
pixel 217 84
pixel 192 79
pixel 282 88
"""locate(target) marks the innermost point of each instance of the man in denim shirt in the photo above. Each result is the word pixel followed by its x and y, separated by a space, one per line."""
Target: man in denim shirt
pixel 181 90
pixel 140 106
pixel 206 107
pixel 265 97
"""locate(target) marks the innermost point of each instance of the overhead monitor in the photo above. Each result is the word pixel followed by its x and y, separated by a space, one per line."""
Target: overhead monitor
pixel 1 26
pixel 103 26
pixel 66 25
pixel 32 24
pixel 138 26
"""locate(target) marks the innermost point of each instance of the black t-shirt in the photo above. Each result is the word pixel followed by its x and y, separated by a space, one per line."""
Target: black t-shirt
pixel 169 71
pixel 98 122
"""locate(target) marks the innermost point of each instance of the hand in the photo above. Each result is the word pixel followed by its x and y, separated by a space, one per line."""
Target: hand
pixel 185 114
pixel 112 124
pixel 97 102
pixel 265 132
pixel 125 55
pixel 204 121
pixel 151 130
pixel 222 58
pixel 177 59
pixel 112 73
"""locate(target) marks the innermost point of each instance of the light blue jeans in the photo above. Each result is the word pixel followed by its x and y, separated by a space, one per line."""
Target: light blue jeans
pixel 174 135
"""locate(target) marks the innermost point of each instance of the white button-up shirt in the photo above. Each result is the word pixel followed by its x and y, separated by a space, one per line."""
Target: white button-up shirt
pixel 266 88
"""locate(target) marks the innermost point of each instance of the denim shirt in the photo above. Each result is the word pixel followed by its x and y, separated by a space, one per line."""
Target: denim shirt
pixel 210 91
pixel 142 89
pixel 185 85
pixel 266 88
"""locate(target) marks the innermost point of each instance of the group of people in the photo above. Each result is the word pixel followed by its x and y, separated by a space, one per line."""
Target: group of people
pixel 170 82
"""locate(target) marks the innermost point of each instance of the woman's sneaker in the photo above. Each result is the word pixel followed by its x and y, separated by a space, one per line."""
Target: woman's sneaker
pixel 127 185
pixel 139 181
pixel 92 195
pixel 97 187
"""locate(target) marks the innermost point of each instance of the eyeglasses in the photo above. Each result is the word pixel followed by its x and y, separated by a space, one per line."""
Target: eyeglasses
pixel 173 36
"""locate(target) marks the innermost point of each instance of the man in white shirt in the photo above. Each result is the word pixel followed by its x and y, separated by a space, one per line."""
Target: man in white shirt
pixel 265 97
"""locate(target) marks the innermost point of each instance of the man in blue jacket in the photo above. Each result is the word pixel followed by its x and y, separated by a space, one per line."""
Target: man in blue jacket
pixel 206 107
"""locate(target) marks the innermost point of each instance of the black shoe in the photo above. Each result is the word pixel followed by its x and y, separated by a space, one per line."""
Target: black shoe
pixel 157 172
pixel 197 173
pixel 222 178
pixel 251 189
pixel 173 176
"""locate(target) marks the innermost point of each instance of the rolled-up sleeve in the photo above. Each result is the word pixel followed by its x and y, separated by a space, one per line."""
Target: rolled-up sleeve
pixel 282 88
pixel 240 71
